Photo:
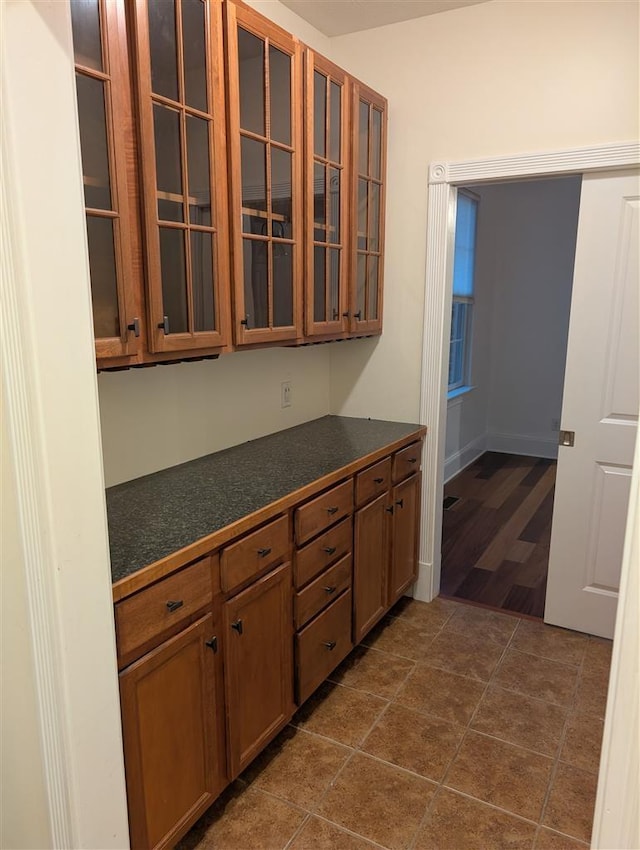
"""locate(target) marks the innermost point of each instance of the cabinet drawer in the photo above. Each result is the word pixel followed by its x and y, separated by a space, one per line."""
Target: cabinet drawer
pixel 324 511
pixel 156 611
pixel 373 481
pixel 407 461
pixel 254 553
pixel 323 551
pixel 322 591
pixel 322 645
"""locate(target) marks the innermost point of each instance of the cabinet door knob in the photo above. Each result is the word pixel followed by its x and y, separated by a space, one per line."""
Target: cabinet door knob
pixel 135 327
pixel 332 511
pixel 389 510
pixel 264 552
pixel 412 460
pixel 330 550
pixel 400 503
pixel 164 324
pixel 212 644
pixel 357 315
pixel 378 480
pixel 330 644
pixel 346 315
pixel 330 589
pixel 237 626
pixel 174 604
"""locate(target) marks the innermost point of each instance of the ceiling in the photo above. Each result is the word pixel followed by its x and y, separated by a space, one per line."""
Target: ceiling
pixel 338 17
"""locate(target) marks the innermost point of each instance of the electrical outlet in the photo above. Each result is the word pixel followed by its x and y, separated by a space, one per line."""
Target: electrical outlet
pixel 285 394
pixel 555 424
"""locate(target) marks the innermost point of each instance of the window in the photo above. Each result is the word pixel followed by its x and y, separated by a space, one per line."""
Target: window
pixel 462 305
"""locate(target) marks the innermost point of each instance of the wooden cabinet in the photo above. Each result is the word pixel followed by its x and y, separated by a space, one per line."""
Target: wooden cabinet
pixel 403 564
pixel 173 734
pixel 258 648
pixel 370 565
pixel 264 79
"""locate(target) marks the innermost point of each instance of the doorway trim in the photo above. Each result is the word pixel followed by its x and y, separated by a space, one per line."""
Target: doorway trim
pixel 444 179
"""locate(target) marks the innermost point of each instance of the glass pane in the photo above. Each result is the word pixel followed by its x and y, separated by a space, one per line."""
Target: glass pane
pixel 335 127
pixel 194 53
pixel 280 86
pixel 374 217
pixel 363 138
pixel 372 288
pixel 362 215
pixel 376 143
pixel 204 318
pixel 319 113
pixel 166 127
pixel 319 202
pixel 162 46
pixel 319 284
pixel 465 246
pixel 256 283
pixel 334 284
pixel 254 185
pixel 361 284
pixel 334 205
pixel 85 24
pixel 93 142
pixel 174 279
pixel 198 168
pixel 281 199
pixel 104 284
pixel 282 285
pixel 251 81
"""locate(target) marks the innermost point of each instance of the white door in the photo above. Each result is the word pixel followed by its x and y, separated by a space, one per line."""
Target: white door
pixel 600 405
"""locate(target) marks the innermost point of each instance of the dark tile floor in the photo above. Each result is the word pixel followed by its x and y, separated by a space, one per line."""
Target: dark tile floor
pixel 454 728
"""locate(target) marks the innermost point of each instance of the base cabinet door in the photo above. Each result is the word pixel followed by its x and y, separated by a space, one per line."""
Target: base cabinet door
pixel 173 732
pixel 403 564
pixel 258 625
pixel 370 565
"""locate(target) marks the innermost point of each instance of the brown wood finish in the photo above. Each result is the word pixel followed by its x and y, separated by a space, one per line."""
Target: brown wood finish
pixel 403 565
pixel 238 14
pixel 406 462
pixel 153 614
pixel 157 339
pixel 373 482
pixel 258 665
pixel 322 645
pixel 315 516
pixel 323 551
pixel 254 553
pixel 173 736
pixel 370 565
pixel 317 595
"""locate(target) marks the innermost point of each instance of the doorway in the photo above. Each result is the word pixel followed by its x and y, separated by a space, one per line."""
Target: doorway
pixel 514 253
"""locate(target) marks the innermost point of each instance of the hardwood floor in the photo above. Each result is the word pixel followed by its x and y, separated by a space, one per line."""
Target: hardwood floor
pixel 495 536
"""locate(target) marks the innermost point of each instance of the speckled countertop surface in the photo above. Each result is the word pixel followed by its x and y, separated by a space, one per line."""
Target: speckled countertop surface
pixel 153 516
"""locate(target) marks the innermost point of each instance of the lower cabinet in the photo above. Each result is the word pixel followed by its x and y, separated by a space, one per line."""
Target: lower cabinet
pixel 173 729
pixel 403 563
pixel 258 650
pixel 370 565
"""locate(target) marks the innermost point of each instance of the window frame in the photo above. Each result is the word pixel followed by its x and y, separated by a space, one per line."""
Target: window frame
pixel 464 382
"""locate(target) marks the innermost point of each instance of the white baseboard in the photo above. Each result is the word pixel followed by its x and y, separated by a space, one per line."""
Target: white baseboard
pixel 423 588
pixel 463 458
pixel 522 444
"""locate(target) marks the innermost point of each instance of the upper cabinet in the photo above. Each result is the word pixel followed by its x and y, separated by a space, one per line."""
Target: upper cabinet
pixel 327 197
pixel 104 113
pixel 183 159
pixel 265 150
pixel 368 194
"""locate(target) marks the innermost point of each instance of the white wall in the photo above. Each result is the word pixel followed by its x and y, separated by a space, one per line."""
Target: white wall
pixel 524 271
pixel 494 79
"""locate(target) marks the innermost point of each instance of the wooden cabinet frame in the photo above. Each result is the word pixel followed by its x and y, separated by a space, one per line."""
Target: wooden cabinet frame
pixel 239 15
pixel 158 340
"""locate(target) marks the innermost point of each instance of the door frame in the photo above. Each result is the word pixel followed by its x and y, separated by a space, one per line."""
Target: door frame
pixel 444 180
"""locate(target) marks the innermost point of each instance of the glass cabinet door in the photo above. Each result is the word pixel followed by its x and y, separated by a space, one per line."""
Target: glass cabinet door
pixel 179 65
pixel 265 151
pixel 104 114
pixel 327 185
pixel 368 195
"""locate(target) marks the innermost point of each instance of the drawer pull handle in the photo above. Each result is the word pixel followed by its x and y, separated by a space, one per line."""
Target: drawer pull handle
pixel 400 503
pixel 332 510
pixel 237 626
pixel 389 510
pixel 330 644
pixel 412 460
pixel 330 589
pixel 264 552
pixel 378 480
pixel 330 550
pixel 212 644
pixel 174 604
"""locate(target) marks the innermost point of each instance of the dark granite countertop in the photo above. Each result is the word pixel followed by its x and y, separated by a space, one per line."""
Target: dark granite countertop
pixel 156 515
